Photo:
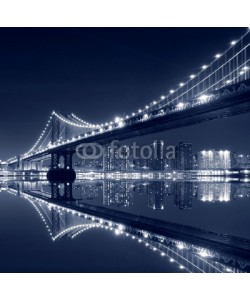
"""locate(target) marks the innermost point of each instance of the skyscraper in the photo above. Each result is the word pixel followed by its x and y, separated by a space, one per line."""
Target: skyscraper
pixel 184 156
pixel 108 158
pixel 157 159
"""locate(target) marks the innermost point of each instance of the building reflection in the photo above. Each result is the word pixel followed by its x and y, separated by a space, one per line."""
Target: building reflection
pixel 156 193
pixel 184 193
pixel 214 192
pixel 117 193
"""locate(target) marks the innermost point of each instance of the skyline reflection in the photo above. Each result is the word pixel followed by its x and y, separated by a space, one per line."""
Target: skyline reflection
pixel 68 210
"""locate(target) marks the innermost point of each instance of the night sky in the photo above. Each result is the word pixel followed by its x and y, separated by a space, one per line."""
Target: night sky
pixel 101 73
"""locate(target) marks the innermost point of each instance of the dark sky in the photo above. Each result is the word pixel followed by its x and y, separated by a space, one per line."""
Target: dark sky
pixel 99 73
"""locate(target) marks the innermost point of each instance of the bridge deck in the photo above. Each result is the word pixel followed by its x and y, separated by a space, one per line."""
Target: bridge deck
pixel 225 107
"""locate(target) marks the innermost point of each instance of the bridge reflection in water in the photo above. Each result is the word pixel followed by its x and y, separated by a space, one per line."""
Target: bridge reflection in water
pixel 64 214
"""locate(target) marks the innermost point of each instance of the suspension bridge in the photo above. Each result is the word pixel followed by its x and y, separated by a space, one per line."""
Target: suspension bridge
pixel 219 90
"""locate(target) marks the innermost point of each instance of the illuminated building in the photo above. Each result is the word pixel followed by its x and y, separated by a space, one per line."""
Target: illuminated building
pixel 214 160
pixel 240 161
pixel 157 159
pixel 184 156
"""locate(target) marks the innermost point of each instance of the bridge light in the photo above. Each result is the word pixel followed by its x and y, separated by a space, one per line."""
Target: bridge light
pixel 218 55
pixel 181 84
pixel 180 246
pixel 121 124
pixel 204 253
pixel 163 97
pixel 139 110
pixel 145 116
pixel 245 68
pixel 228 81
pixel 203 97
pixel 192 76
pixel 233 43
pixel 154 102
pixel 133 114
pixel 117 119
pixel 171 91
pixel 204 67
pixel 146 106
pixel 180 105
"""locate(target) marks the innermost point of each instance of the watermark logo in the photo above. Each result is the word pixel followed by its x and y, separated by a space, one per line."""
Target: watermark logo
pixel 157 150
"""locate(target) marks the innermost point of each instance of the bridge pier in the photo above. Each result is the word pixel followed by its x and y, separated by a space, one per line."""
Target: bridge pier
pixel 56 192
pixel 58 173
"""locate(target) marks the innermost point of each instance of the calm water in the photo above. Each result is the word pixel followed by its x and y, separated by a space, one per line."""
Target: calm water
pixel 64 228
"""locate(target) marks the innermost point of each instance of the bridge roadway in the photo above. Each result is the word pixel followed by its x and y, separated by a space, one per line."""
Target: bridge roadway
pixel 221 243
pixel 227 105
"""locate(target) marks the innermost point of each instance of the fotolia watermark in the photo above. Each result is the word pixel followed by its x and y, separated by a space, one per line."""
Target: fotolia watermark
pixel 157 150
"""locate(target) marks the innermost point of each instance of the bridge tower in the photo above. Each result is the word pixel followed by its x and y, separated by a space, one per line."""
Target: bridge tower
pixel 55 130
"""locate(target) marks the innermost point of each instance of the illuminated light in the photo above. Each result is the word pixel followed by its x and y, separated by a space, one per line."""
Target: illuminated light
pixel 154 249
pixel 155 102
pixel 228 81
pixel 133 114
pixel 180 105
pixel 117 119
pixel 117 232
pixel 233 43
pixel 145 116
pixel 180 246
pixel 241 72
pixel 228 270
pixel 171 260
pixel 218 55
pixel 163 254
pixel 171 91
pixel 139 110
pixel 181 84
pixel 245 68
pixel 163 97
pixel 181 267
pixel 203 97
pixel 204 253
pixel 146 106
pixel 204 67
pixel 121 124
pixel 192 76
pixel 121 227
